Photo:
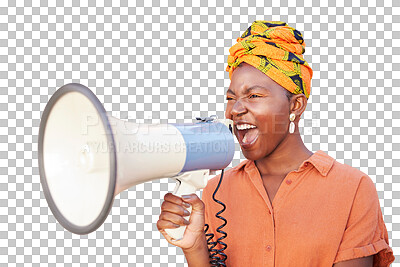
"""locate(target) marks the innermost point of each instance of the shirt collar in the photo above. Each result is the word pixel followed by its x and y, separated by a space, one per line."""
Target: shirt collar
pixel 320 160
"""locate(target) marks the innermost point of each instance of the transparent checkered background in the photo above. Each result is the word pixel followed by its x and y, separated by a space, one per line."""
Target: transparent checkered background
pixel 164 61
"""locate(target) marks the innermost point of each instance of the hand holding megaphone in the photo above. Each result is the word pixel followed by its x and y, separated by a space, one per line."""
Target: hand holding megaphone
pixel 173 217
pixel 186 184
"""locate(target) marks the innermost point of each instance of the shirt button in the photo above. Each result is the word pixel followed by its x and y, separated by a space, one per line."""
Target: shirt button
pixel 269 248
pixel 289 181
pixel 306 164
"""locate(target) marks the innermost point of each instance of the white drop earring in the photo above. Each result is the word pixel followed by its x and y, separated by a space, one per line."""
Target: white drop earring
pixel 292 126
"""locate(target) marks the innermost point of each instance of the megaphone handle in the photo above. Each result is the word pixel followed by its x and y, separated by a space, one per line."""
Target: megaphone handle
pixel 181 188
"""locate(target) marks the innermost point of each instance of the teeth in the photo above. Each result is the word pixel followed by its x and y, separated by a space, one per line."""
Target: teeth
pixel 245 126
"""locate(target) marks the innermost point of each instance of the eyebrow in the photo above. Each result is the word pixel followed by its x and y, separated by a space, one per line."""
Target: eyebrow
pixel 249 89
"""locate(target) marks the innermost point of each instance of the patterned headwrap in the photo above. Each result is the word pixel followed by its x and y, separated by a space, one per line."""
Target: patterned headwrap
pixel 275 49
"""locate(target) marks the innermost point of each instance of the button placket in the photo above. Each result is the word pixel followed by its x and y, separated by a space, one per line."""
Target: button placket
pixel 282 192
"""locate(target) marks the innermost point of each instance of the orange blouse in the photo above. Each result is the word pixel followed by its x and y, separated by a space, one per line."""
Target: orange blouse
pixel 322 213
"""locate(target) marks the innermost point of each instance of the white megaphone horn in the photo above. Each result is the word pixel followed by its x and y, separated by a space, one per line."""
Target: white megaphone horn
pixel 87 157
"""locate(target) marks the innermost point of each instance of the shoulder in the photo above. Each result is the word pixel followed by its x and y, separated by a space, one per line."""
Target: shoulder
pixel 349 182
pixel 338 180
pixel 347 175
pixel 333 171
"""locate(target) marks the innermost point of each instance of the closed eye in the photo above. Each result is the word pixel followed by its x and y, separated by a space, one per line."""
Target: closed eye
pixel 254 96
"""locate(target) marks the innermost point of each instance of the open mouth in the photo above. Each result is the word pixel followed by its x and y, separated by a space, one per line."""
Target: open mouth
pixel 247 133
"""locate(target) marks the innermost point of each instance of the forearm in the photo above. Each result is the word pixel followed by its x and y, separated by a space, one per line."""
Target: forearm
pixel 198 256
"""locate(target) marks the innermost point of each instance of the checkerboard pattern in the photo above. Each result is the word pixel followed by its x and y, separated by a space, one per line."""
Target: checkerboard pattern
pixel 164 61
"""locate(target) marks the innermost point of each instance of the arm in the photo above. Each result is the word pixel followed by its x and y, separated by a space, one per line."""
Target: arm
pixel 359 262
pixel 198 256
pixel 365 233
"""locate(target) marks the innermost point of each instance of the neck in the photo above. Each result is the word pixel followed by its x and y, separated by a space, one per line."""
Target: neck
pixel 286 157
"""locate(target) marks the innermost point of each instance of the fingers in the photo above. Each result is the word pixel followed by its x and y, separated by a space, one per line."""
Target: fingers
pixel 174 199
pixel 173 211
pixel 175 208
pixel 195 201
pixel 163 224
pixel 172 220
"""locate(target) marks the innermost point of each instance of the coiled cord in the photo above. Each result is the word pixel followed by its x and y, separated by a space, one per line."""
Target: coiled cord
pixel 217 256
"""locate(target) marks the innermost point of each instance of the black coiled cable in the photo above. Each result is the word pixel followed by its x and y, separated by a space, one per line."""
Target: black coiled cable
pixel 217 256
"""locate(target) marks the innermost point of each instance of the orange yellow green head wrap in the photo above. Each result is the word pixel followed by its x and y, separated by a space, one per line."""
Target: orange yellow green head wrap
pixel 275 49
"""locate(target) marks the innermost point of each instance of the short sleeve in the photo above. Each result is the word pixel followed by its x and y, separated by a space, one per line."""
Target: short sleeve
pixel 365 232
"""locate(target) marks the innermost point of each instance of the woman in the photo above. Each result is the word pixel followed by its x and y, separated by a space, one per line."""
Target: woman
pixel 286 206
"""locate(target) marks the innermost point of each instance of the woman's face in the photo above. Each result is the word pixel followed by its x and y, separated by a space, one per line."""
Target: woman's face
pixel 259 108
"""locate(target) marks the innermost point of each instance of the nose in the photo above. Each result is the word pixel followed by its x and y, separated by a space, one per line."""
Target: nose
pixel 238 109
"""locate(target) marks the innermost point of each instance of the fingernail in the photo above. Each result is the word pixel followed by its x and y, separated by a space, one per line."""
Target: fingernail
pixel 186 196
pixel 186 212
pixel 187 205
pixel 176 225
pixel 186 222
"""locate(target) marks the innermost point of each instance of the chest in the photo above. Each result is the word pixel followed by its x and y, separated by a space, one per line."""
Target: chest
pixel 298 225
pixel 271 184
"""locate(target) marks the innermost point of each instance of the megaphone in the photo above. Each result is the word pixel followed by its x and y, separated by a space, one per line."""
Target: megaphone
pixel 86 157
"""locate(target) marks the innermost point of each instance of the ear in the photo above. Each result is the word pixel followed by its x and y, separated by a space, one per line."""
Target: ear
pixel 298 104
